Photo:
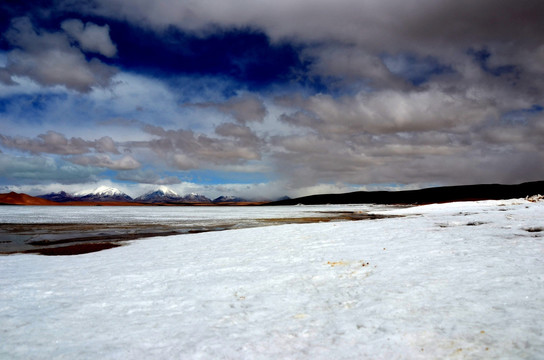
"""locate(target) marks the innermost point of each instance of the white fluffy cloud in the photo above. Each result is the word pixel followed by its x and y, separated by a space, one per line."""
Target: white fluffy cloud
pixel 49 59
pixel 90 37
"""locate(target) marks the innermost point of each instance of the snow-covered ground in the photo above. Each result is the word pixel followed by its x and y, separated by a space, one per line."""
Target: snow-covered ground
pixel 461 280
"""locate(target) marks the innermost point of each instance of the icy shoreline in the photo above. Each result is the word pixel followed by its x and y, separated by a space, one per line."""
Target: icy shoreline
pixel 460 280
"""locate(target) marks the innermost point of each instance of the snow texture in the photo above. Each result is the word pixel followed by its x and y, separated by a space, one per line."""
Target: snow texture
pixel 101 190
pixel 103 193
pixel 165 191
pixel 460 280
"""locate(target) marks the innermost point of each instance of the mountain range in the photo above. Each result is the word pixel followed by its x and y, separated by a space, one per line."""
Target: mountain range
pixel 162 195
pixel 166 195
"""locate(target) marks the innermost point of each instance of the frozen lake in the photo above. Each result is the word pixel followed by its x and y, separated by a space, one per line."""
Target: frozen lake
pixel 448 281
pixel 27 228
pixel 163 214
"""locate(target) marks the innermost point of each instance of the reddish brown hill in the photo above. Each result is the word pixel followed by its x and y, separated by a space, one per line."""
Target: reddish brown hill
pixel 14 198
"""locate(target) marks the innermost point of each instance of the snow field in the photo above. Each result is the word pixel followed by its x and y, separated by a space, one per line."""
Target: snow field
pixel 462 280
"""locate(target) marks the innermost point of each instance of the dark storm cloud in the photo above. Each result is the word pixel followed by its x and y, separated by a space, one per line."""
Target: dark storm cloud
pixel 218 37
pixel 397 160
pixel 386 112
pixel 378 42
pixel 374 23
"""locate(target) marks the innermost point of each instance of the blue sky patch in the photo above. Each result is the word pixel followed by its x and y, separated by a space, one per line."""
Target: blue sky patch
pixel 482 57
pixel 521 116
pixel 416 70
pixel 244 55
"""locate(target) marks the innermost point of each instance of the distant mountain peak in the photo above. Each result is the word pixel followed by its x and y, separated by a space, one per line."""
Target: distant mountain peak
pixel 161 194
pixel 61 196
pixel 106 190
pixel 228 199
pixel 196 198
pixel 167 191
pixel 103 193
pixel 101 190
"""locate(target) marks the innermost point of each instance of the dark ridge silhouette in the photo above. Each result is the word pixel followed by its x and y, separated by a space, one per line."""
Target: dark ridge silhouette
pixel 423 196
pixel 60 197
pixel 228 199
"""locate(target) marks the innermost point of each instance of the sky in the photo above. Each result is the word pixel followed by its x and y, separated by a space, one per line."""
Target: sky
pixel 262 99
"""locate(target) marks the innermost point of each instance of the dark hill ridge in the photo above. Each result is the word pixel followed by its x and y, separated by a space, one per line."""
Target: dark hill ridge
pixel 59 197
pixel 423 196
pixel 228 199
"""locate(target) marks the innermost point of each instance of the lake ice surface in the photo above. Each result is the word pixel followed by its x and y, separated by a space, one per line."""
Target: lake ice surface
pixel 37 228
pixel 460 280
pixel 164 215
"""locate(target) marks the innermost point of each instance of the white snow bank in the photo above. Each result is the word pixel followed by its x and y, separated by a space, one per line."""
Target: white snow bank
pixel 451 207
pixel 462 280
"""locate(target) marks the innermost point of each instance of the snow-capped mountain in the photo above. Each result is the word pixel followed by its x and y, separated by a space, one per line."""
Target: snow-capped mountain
pixel 195 198
pixel 103 193
pixel 162 194
pixel 60 196
pixel 229 199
